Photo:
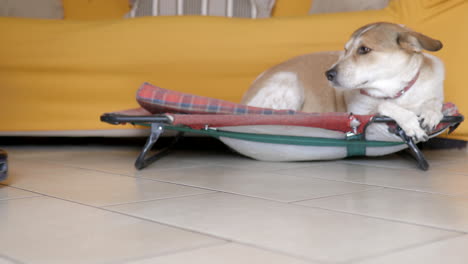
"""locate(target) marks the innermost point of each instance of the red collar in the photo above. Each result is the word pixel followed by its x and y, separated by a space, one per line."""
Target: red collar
pixel 400 93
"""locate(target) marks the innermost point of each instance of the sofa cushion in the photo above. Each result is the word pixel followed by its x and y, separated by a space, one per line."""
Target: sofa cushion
pixel 335 6
pixel 95 9
pixel 228 8
pixel 51 9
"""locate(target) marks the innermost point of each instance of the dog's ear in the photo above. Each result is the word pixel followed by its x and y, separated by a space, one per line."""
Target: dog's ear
pixel 414 41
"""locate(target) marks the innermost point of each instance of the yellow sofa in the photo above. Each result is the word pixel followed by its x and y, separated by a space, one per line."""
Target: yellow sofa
pixel 61 75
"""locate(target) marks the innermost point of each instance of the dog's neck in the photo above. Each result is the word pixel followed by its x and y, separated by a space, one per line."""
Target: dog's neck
pixel 400 83
pixel 398 94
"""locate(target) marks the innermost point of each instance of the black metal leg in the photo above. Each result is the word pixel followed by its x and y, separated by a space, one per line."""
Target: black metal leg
pixel 156 131
pixel 414 150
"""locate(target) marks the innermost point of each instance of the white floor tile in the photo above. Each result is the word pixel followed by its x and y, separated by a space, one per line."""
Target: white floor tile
pixel 400 161
pixel 450 251
pixel 64 153
pixel 33 227
pixel 414 207
pixel 433 181
pixel 231 253
pixel 258 184
pixel 120 162
pixel 6 260
pixel 236 161
pixel 452 160
pixel 7 192
pixel 47 230
pixel 460 167
pixel 113 160
pixel 451 155
pixel 88 186
pixel 311 233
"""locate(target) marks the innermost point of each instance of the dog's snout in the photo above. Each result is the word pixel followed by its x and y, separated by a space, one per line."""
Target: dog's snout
pixel 331 74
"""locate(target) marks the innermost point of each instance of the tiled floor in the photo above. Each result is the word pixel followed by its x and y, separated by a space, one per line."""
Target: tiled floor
pixel 89 205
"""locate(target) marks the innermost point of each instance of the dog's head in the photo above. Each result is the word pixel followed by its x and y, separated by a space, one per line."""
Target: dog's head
pixel 378 52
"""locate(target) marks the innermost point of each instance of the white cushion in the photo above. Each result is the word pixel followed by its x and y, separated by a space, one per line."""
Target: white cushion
pixel 335 6
pixel 228 8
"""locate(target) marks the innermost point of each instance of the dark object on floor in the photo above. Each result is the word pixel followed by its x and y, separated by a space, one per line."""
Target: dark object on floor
pixel 3 165
pixel 444 143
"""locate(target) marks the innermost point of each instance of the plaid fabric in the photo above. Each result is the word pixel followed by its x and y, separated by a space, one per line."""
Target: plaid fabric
pixel 449 109
pixel 158 100
pixel 205 110
pixel 329 121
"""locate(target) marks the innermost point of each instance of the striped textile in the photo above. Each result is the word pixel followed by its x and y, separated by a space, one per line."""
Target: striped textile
pixel 227 8
pixel 158 100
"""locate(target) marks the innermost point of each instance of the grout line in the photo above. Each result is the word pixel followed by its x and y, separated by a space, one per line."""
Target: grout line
pixel 229 239
pixel 276 251
pixel 387 219
pixel 175 251
pixel 397 250
pixel 211 189
pixel 118 173
pixel 384 186
pixel 180 227
pixel 260 198
pixel 225 244
pixel 121 213
pixel 196 164
pixel 192 186
pixel 128 176
pixel 460 233
pixel 378 166
pixel 314 177
pixel 336 195
pixel 11 259
pixel 225 239
pixel 437 165
pixel 273 171
pixel 264 199
pixel 19 198
pixel 157 199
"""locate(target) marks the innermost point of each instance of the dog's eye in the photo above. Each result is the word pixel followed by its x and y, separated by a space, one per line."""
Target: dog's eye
pixel 363 50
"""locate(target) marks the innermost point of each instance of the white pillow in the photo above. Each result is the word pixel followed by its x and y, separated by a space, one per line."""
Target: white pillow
pixel 335 6
pixel 228 8
pixel 51 9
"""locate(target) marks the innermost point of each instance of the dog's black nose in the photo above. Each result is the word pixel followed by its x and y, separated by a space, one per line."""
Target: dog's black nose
pixel 331 74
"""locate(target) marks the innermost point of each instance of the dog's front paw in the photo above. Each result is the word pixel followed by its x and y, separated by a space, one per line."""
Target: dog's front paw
pixel 414 130
pixel 429 119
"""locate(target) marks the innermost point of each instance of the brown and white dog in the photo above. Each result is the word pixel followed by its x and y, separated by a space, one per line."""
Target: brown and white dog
pixel 382 71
